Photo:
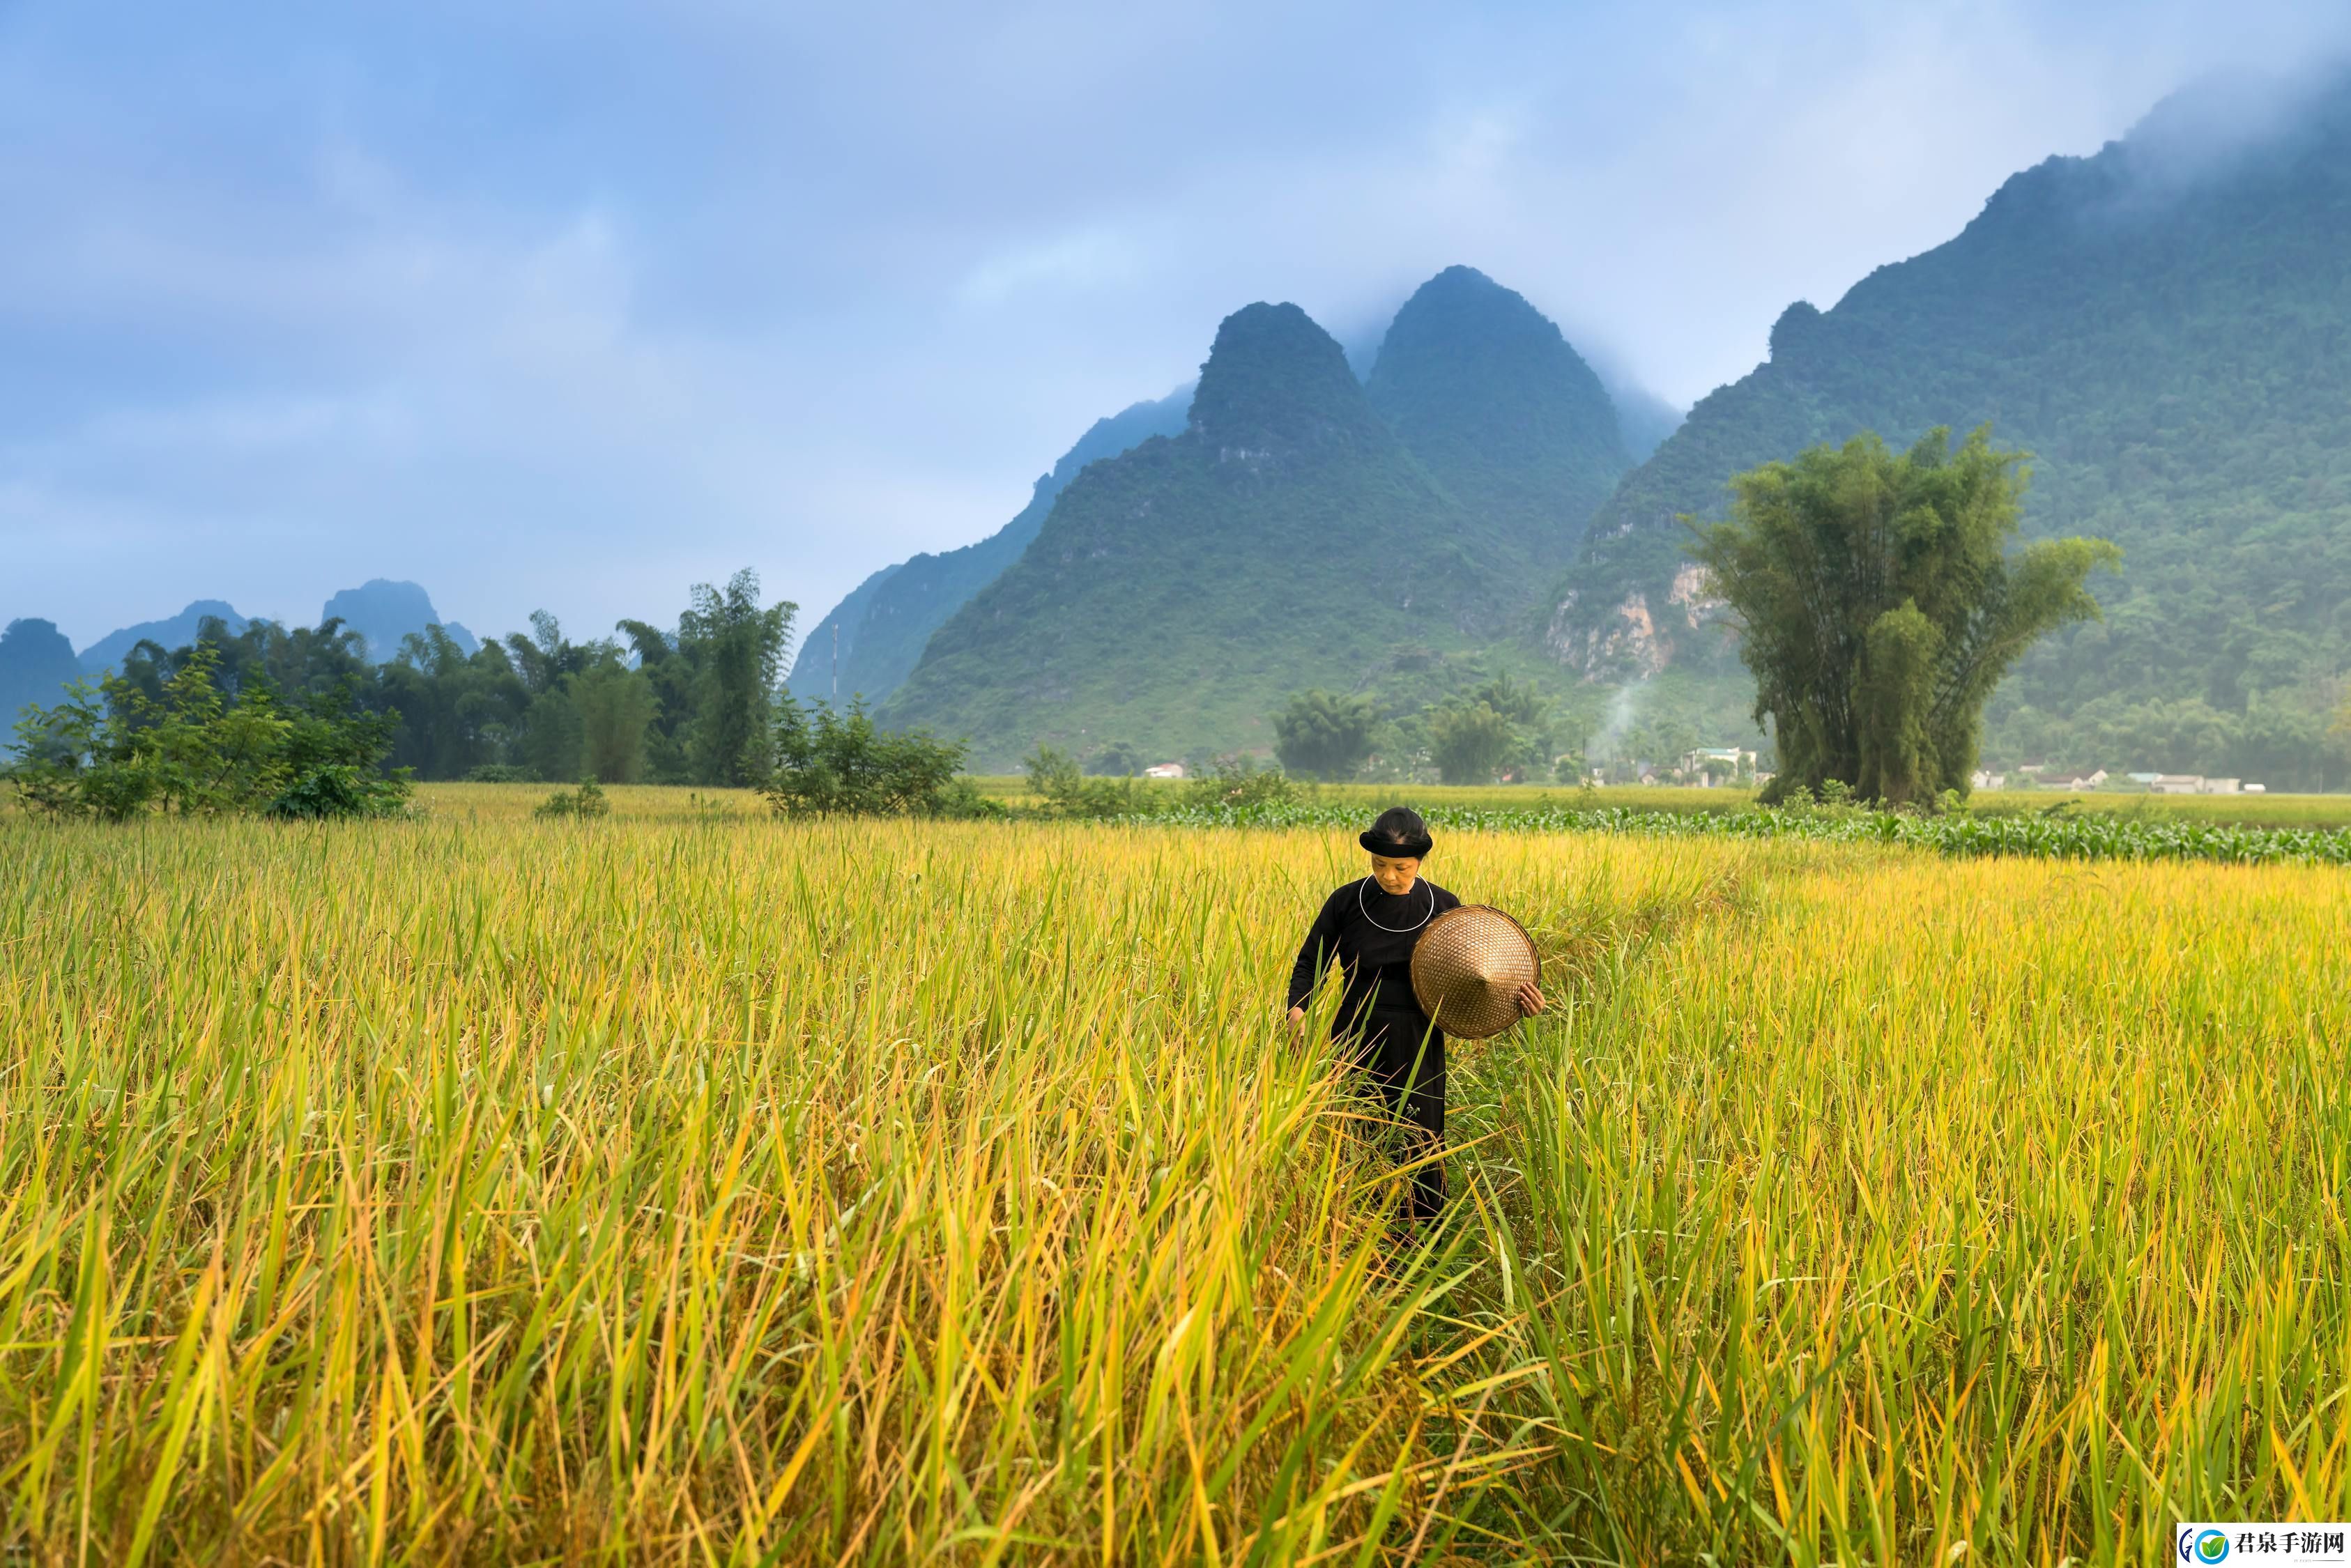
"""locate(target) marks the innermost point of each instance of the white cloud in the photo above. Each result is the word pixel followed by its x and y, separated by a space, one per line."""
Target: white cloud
pixel 1088 259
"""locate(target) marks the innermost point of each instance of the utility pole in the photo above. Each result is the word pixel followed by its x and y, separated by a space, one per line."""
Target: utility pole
pixel 836 664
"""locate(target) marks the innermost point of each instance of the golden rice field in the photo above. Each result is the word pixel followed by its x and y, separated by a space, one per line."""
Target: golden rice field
pixel 691 1187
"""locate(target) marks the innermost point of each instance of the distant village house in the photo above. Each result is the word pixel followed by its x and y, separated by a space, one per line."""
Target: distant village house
pixel 2194 784
pixel 1711 765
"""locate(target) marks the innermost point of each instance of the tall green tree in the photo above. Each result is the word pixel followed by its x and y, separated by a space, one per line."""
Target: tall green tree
pixel 1471 741
pixel 670 671
pixel 1518 702
pixel 1325 735
pixel 1878 604
pixel 616 707
pixel 737 648
pixel 553 738
pixel 1529 713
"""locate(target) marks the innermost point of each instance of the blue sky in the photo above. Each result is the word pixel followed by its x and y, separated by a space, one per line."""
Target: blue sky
pixel 575 305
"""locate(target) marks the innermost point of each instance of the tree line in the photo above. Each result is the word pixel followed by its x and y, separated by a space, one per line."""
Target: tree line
pixel 1501 729
pixel 695 704
pixel 297 722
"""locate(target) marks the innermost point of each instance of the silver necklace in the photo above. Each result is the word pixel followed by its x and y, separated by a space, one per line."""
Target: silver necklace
pixel 1365 912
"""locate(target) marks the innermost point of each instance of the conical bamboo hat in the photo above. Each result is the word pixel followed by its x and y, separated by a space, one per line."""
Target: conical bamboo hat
pixel 1468 967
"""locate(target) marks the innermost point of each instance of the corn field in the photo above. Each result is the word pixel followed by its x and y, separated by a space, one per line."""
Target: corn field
pixel 686 1186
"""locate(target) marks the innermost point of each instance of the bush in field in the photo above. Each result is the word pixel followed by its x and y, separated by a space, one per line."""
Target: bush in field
pixel 1062 791
pixel 1239 783
pixel 831 764
pixel 587 800
pixel 116 751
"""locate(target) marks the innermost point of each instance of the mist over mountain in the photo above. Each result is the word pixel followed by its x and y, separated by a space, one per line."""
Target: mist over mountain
pixel 383 612
pixel 1643 419
pixel 1290 536
pixel 886 620
pixel 2166 326
pixel 36 663
pixel 172 631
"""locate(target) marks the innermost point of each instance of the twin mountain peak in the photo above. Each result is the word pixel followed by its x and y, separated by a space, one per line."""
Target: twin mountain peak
pixel 1296 527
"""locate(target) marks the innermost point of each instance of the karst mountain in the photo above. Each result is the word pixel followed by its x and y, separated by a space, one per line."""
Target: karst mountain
pixel 1302 529
pixel 2165 326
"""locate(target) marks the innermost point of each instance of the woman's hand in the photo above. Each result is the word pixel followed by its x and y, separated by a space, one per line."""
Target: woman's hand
pixel 1530 1000
pixel 1298 1023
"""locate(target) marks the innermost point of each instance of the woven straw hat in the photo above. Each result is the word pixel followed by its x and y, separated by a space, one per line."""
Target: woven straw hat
pixel 1468 967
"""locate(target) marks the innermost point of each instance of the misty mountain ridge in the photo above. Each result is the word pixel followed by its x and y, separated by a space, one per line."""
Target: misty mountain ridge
pixel 2165 325
pixel 878 636
pixel 1287 537
pixel 172 631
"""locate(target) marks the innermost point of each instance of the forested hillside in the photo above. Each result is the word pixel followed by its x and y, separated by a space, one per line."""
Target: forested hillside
pixel 835 636
pixel 1176 594
pixel 885 623
pixel 2168 329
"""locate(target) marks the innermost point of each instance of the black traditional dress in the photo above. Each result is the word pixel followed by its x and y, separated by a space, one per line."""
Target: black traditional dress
pixel 1371 934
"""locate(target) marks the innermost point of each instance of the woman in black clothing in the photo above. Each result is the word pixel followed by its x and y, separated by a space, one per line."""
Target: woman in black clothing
pixel 1371 927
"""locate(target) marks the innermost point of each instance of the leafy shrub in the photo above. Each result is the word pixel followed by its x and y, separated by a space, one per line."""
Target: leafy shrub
pixel 834 763
pixel 497 773
pixel 587 800
pixel 337 790
pixel 1239 783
